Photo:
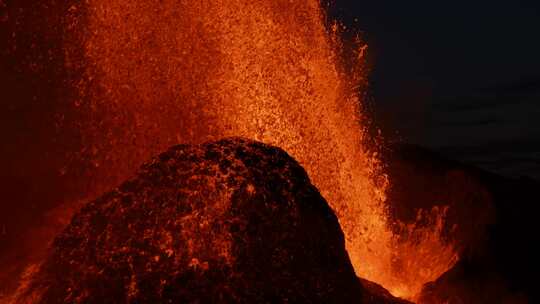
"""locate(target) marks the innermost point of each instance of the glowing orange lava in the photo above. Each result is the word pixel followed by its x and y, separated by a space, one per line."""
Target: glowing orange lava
pixel 157 73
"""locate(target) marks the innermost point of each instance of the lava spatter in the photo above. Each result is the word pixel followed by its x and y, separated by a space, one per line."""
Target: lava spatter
pixel 159 73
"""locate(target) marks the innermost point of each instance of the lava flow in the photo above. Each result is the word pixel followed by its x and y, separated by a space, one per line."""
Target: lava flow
pixel 156 73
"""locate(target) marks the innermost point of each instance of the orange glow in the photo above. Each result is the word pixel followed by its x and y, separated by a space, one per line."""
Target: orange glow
pixel 160 73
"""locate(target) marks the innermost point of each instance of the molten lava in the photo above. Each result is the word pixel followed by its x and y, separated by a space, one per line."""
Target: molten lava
pixel 156 73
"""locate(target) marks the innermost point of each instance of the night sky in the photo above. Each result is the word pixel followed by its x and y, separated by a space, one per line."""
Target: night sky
pixel 461 77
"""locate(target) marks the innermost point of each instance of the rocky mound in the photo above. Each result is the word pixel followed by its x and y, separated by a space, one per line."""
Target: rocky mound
pixel 491 220
pixel 227 221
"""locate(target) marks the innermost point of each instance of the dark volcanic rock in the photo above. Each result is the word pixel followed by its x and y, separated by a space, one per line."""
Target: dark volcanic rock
pixel 472 281
pixel 228 221
pixel 375 293
pixel 423 180
pixel 492 221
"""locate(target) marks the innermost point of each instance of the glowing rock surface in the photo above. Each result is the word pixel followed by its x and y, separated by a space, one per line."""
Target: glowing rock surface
pixel 226 221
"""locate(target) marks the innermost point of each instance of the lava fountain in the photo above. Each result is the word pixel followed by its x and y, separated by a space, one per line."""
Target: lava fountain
pixel 155 73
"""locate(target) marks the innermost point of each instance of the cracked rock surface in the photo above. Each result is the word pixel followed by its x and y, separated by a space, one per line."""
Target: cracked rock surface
pixel 226 221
